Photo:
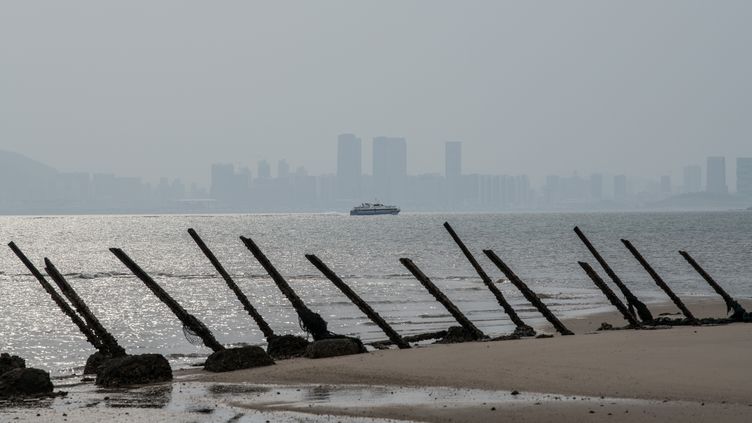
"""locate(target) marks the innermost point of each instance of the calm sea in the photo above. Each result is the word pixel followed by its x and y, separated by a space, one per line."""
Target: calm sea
pixel 541 248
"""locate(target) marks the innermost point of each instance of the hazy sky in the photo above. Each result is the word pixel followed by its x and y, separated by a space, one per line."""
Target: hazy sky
pixel 166 87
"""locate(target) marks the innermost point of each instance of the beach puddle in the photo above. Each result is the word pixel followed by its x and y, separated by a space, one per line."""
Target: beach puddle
pixel 221 402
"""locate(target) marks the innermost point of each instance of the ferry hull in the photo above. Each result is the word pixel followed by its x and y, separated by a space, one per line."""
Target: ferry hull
pixel 373 212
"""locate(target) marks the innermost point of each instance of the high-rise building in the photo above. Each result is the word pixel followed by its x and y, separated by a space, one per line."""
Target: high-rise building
pixel 349 166
pixel 666 184
pixel 716 174
pixel 283 169
pixel 596 186
pixel 453 174
pixel 222 181
pixel 453 159
pixel 620 187
pixel 744 176
pixel 692 179
pixel 552 189
pixel 264 170
pixel 389 168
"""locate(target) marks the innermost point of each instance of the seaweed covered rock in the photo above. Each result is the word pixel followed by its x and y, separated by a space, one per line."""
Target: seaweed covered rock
pixel 456 335
pixel 94 361
pixel 335 347
pixel 237 358
pixel 287 346
pixel 524 331
pixel 134 370
pixel 10 362
pixel 22 382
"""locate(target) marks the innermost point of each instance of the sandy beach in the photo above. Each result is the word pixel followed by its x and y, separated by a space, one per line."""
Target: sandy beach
pixel 675 374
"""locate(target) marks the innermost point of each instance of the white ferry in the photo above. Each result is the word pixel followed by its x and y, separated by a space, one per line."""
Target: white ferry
pixel 368 209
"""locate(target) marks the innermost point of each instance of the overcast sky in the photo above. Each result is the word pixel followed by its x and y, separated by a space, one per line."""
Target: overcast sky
pixel 158 88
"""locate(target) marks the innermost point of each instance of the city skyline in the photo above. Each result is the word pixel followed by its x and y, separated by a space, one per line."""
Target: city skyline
pixel 244 188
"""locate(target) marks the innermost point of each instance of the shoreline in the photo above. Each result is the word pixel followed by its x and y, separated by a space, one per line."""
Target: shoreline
pixel 650 362
pixel 674 374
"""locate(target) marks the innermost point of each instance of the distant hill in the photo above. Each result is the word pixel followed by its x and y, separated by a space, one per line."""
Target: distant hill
pixel 12 163
pixel 703 201
pixel 24 179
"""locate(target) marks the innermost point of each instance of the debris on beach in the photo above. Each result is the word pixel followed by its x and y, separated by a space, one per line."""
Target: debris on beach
pixel 134 370
pixel 456 335
pixel 231 359
pixel 382 345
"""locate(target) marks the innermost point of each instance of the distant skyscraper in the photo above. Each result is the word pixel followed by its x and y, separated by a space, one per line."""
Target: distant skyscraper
pixel 349 166
pixel 453 176
pixel 596 186
pixel 283 169
pixel 222 180
pixel 716 175
pixel 552 189
pixel 665 184
pixel 744 176
pixel 264 170
pixel 453 159
pixel 692 179
pixel 389 168
pixel 620 187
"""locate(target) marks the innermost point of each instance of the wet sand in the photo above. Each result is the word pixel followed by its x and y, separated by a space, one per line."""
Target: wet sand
pixel 676 374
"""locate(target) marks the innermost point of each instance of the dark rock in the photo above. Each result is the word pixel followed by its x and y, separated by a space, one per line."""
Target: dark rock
pixel 456 335
pixel 10 362
pixel 25 382
pixel 287 346
pixel 94 361
pixel 524 331
pixel 335 347
pixel 606 326
pixel 134 370
pixel 237 358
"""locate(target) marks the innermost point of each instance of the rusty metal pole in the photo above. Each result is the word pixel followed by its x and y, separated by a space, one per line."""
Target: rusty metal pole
pixel 108 341
pixel 260 322
pixel 731 304
pixel 508 309
pixel 189 321
pixel 311 322
pixel 658 280
pixel 362 305
pixel 642 310
pixel 440 297
pixel 64 307
pixel 628 316
pixel 528 293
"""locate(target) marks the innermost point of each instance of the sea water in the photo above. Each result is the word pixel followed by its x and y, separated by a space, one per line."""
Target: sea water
pixel 541 248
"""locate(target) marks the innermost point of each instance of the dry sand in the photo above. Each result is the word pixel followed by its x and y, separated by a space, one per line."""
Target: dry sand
pixel 677 374
pixel 704 372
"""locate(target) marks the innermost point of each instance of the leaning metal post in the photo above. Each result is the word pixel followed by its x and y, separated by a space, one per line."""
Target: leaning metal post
pixel 642 310
pixel 189 321
pixel 658 280
pixel 528 293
